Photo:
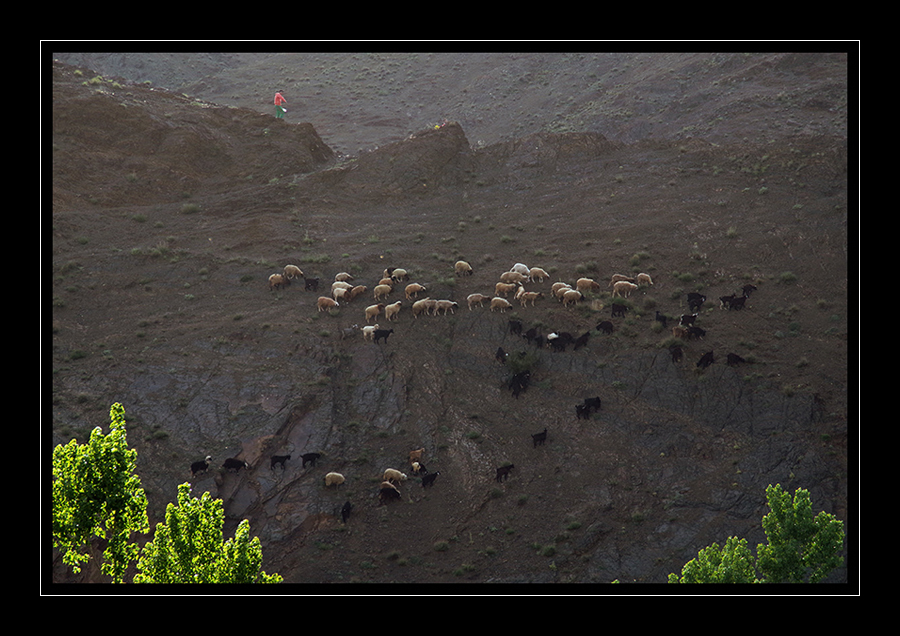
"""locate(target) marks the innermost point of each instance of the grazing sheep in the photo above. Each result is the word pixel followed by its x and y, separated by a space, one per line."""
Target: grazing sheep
pixel 392 475
pixel 428 480
pixel 527 297
pixel 644 279
pixel 619 277
pixel 278 459
pixel 416 455
pixel 311 284
pixel 605 326
pixel 421 306
pixel 676 352
pixel 503 472
pixel 505 289
pixel 369 331
pixel 277 281
pixel 356 291
pixel 372 311
pixel 705 360
pixel 382 334
pixel 387 281
pixel 521 268
pixel 291 272
pixel 339 284
pixel 342 276
pixel 560 291
pixel 586 284
pixel 413 289
pixel 695 301
pixel 309 458
pixel 476 299
pixel 571 296
pixel 399 274
pixel 391 311
pixel 339 293
pixel 234 464
pixel 445 306
pixel 334 479
pixel 325 303
pixel 382 291
pixel 536 273
pixel 500 303
pixel 538 439
pixel 619 310
pixel 200 467
pixel 501 355
pixel 555 287
pixel 734 359
pixel 462 268
pixel 345 511
pixel 513 277
pixel 623 288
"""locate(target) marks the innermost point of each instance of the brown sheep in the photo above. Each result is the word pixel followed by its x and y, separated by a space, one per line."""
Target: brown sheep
pixel 291 272
pixel 530 296
pixel 619 277
pixel 372 311
pixel 513 277
pixel 421 306
pixel 500 303
pixel 357 291
pixel 325 303
pixel 623 288
pixel 343 276
pixel 416 455
pixel 536 273
pixel 462 268
pixel 390 311
pixel 505 289
pixel 476 299
pixel 277 281
pixel 381 291
pixel 571 296
pixel 586 284
pixel 644 279
pixel 413 289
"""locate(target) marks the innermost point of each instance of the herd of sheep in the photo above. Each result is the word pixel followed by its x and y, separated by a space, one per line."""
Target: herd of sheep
pixel 511 285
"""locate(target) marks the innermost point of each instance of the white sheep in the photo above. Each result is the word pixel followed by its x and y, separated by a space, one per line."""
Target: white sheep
pixel 276 281
pixel 530 297
pixel 561 291
pixel 522 268
pixel 623 288
pixel 476 299
pixel 369 331
pixel 423 306
pixel 513 277
pixel 586 284
pixel 291 272
pixel 381 291
pixel 399 274
pixel 340 284
pixel 373 310
pixel 500 303
pixel 342 276
pixel 392 475
pixel 505 289
pixel 334 479
pixel 413 289
pixel 555 287
pixel 339 293
pixel 462 268
pixel 390 311
pixel 571 296
pixel 445 305
pixel 619 277
pixel 325 303
pixel 644 279
pixel 536 273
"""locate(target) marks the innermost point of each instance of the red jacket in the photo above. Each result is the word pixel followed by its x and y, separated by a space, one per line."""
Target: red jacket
pixel 279 99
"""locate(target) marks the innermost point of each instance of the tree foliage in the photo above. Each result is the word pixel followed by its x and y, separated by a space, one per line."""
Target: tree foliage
pixel 188 547
pixel 800 548
pixel 97 494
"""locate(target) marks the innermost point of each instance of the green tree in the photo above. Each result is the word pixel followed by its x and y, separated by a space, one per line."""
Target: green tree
pixel 800 548
pixel 97 494
pixel 189 547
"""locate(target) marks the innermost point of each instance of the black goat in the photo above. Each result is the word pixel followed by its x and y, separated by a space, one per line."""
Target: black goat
pixel 747 290
pixel 531 334
pixel 428 480
pixel 582 412
pixel 519 383
pixel 676 352
pixel 515 327
pixel 705 360
pixel 200 467
pixel 725 301
pixel 619 310
pixel 501 355
pixel 605 326
pixel 695 332
pixel 687 319
pixel 738 303
pixel 734 359
pixel 582 340
pixel 538 439
pixel 345 511
pixel 234 464
pixel 382 334
pixel 278 459
pixel 312 284
pixel 695 300
pixel 503 472
pixel 309 458
pixel 661 318
pixel 388 494
pixel 592 404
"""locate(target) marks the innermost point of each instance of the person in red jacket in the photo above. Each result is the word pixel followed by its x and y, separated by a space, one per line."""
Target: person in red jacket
pixel 280 110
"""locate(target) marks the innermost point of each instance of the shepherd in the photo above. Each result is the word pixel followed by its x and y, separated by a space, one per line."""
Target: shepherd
pixel 280 110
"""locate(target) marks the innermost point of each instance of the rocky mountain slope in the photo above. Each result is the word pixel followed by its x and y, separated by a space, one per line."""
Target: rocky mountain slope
pixel 171 210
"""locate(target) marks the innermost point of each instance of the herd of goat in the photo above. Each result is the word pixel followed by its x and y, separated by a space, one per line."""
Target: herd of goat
pixel 511 283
